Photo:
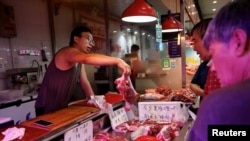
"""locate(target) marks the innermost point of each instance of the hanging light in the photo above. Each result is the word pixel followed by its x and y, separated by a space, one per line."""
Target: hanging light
pixel 170 24
pixel 138 12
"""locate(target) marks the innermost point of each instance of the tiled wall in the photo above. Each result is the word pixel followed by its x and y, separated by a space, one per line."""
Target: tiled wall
pixel 33 33
pixel 32 28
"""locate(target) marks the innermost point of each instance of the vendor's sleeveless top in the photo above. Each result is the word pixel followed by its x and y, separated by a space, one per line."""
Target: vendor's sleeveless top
pixel 56 88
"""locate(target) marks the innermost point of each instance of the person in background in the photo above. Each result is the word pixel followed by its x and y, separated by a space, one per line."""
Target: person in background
pixel 67 67
pixel 228 41
pixel 134 52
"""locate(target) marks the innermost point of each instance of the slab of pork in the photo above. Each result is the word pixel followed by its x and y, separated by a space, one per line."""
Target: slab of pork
pixel 125 87
pixel 103 136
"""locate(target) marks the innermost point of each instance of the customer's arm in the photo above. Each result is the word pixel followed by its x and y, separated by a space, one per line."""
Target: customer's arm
pixel 199 79
pixel 196 89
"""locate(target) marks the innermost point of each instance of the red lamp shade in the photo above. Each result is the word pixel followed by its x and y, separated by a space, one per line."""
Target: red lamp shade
pixel 138 12
pixel 170 24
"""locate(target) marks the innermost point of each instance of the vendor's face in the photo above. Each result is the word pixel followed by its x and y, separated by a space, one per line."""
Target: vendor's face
pixel 85 42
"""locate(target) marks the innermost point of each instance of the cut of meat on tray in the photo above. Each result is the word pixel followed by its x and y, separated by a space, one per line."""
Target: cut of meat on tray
pixel 152 96
pixel 125 87
pixel 104 136
pixel 128 126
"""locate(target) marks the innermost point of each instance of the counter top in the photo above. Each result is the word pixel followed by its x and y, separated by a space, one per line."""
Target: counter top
pixel 63 120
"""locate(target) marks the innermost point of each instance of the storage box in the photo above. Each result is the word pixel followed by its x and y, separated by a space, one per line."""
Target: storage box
pixel 11 94
pixel 6 122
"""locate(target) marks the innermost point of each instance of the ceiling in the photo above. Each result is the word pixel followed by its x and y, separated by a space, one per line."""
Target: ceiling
pixel 206 7
pixel 202 9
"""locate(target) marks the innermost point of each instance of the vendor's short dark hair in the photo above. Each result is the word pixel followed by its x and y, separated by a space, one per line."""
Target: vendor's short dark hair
pixel 77 31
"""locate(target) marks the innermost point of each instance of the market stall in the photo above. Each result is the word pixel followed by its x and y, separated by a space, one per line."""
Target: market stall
pixel 161 118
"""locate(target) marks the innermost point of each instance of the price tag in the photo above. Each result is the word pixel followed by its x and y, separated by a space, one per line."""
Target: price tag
pixel 118 117
pixel 163 111
pixel 83 132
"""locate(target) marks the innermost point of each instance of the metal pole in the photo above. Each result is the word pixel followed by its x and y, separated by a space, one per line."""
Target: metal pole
pixel 51 25
pixel 109 68
pixel 183 49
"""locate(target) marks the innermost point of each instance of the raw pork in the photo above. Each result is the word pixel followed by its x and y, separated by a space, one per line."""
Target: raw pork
pixel 125 87
pixel 108 137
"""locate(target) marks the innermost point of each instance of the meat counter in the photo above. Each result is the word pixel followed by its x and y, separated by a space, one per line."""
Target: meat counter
pixel 74 116
pixel 183 135
pixel 128 131
pixel 62 121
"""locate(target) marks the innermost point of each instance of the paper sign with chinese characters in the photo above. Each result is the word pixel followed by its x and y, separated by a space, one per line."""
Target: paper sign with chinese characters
pixel 83 132
pixel 163 111
pixel 118 117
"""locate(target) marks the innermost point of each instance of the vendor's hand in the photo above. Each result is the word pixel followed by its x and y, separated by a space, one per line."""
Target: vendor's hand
pixel 92 102
pixel 124 66
pixel 101 104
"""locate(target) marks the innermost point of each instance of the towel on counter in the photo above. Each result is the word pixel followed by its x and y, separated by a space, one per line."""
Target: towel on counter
pixel 101 103
pixel 13 133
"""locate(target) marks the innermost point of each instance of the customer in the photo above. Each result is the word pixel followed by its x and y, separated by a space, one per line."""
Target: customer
pixel 205 79
pixel 200 77
pixel 67 67
pixel 228 41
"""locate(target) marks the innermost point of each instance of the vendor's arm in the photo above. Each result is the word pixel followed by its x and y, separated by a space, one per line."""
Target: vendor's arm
pixel 69 56
pixel 85 83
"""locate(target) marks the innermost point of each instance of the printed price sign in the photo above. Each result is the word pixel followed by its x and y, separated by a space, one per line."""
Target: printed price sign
pixel 83 132
pixel 118 117
pixel 163 111
pixel 158 33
